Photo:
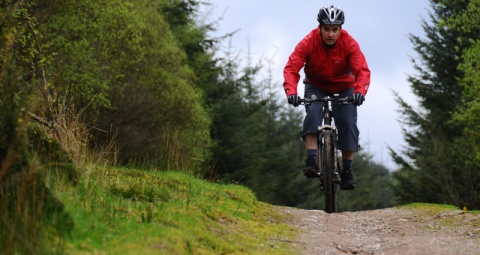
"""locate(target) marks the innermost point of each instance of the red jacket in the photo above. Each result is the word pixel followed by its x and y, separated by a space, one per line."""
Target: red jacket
pixel 333 69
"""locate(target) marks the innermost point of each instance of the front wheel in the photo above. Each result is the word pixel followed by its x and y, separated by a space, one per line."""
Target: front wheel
pixel 328 172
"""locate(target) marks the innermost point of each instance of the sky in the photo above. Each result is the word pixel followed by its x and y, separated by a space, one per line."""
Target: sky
pixel 270 29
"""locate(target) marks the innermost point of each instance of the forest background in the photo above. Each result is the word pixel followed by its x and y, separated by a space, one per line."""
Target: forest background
pixel 138 84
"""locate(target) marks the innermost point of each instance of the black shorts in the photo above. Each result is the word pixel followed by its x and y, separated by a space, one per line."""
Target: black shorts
pixel 345 118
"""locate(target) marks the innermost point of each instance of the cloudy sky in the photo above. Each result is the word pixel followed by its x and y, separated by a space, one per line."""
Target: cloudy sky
pixel 272 28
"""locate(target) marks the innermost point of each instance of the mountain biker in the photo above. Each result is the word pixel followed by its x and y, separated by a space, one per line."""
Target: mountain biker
pixel 333 64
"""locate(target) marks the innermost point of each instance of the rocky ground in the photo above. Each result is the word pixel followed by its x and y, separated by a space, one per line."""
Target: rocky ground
pixel 386 231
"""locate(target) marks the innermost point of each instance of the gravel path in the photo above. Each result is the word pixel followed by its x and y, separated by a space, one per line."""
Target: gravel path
pixel 387 231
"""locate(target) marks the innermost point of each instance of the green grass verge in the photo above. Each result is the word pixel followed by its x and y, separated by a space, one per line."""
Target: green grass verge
pixel 433 208
pixel 443 217
pixel 124 211
pixel 436 208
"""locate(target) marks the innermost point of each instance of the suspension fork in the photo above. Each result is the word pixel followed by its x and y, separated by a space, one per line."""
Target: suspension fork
pixel 335 155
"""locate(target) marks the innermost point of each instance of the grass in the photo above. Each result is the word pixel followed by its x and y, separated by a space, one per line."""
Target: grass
pixel 436 208
pixel 130 211
pixel 127 211
pixel 441 217
pixel 431 208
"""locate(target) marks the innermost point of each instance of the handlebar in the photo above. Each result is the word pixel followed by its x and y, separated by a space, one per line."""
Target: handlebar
pixel 335 98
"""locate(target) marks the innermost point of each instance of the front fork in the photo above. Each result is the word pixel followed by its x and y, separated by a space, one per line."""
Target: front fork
pixel 336 173
pixel 319 158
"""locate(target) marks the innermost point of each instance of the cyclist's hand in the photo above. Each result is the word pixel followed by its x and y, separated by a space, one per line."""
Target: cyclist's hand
pixel 294 100
pixel 358 98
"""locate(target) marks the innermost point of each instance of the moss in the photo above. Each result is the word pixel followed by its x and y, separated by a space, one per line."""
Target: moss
pixel 170 213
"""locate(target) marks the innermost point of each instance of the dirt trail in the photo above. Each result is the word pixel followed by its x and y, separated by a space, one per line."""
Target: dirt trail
pixel 386 231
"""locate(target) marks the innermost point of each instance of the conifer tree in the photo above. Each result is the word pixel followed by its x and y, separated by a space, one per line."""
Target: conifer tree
pixel 430 166
pixel 467 115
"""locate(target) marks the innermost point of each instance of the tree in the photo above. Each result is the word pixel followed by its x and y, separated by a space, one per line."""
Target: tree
pixel 430 166
pixel 129 75
pixel 468 111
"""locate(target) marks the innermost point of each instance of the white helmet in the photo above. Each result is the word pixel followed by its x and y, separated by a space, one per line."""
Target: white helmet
pixel 330 15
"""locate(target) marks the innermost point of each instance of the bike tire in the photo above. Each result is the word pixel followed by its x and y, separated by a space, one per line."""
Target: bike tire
pixel 328 162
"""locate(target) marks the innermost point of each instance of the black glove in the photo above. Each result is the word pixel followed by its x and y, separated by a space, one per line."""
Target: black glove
pixel 294 100
pixel 358 98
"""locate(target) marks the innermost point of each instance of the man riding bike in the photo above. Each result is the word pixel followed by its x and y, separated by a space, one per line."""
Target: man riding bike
pixel 333 64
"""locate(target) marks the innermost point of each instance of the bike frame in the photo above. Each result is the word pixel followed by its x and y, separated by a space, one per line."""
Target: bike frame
pixel 327 156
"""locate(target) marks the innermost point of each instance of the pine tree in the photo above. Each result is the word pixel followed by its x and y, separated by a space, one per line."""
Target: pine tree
pixel 430 166
pixel 467 115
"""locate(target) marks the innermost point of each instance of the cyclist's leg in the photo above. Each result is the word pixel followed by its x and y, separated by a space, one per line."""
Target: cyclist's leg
pixel 345 117
pixel 312 120
pixel 314 116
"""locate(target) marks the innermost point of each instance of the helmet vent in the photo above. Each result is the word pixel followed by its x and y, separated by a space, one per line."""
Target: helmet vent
pixel 331 15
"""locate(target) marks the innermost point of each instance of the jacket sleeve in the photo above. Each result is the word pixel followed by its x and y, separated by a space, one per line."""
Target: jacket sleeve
pixel 296 61
pixel 359 68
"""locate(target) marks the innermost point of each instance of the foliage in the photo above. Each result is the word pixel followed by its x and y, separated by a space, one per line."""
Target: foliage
pixel 374 186
pixel 256 139
pixel 120 64
pixel 467 113
pixel 32 220
pixel 437 165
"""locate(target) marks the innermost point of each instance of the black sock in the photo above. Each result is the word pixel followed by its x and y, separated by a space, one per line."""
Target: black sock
pixel 347 164
pixel 312 153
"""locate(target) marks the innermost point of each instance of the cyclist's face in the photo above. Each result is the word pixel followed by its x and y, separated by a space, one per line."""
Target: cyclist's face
pixel 330 33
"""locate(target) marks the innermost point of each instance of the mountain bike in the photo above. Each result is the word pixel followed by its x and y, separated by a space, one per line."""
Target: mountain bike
pixel 327 153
